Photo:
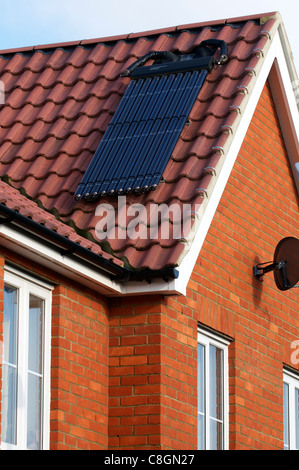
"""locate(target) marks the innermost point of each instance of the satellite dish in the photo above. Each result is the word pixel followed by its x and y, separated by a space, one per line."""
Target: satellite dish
pixel 285 264
pixel 287 251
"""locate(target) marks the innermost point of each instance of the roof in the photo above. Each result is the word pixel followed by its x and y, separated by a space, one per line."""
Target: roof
pixel 13 200
pixel 60 98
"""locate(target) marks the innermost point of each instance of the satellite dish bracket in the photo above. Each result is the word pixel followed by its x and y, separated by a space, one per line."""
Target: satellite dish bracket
pixel 285 264
pixel 259 271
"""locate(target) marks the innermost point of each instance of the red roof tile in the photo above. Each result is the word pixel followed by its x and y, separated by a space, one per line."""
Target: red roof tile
pixel 12 199
pixel 60 99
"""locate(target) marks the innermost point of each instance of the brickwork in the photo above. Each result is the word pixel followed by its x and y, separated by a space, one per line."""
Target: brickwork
pixel 179 374
pixel 153 365
pixel 158 363
pixel 135 373
pixel 258 208
pixel 79 370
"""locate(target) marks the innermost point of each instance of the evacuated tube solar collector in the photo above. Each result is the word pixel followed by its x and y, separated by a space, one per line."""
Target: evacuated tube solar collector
pixel 147 124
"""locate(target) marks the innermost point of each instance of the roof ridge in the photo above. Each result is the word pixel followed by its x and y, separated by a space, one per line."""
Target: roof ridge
pixel 263 17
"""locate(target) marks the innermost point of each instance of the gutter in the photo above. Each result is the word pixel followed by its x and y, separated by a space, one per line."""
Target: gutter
pixel 67 247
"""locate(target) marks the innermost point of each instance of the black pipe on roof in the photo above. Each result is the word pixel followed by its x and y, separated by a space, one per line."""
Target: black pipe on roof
pixel 70 248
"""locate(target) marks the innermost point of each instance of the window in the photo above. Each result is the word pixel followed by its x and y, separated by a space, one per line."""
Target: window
pixel 26 363
pixel 212 379
pixel 291 410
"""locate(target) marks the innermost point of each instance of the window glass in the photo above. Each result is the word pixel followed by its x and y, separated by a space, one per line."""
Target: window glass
pixel 297 417
pixel 216 397
pixel 286 415
pixel 35 371
pixel 212 370
pixel 10 365
pixel 25 405
pixel 201 437
pixel 291 410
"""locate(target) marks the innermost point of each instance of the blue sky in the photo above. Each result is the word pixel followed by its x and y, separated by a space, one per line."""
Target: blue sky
pixel 33 22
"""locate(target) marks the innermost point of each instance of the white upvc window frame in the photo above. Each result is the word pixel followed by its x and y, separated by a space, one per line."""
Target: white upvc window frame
pixel 207 339
pixel 292 381
pixel 27 285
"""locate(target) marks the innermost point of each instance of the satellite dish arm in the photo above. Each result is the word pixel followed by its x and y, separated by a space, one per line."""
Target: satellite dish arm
pixel 259 271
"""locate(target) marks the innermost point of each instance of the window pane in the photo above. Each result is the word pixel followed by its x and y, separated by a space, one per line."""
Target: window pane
pixel 34 412
pixel 35 358
pixel 35 371
pixel 9 405
pixel 286 416
pixel 201 438
pixel 297 417
pixel 216 397
pixel 10 325
pixel 216 434
pixel 10 353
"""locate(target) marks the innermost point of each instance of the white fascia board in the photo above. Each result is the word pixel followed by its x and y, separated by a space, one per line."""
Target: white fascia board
pixel 21 243
pixel 285 90
pixel 156 286
pixel 41 253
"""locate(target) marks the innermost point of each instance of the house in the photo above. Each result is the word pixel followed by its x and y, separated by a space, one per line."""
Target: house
pixel 131 316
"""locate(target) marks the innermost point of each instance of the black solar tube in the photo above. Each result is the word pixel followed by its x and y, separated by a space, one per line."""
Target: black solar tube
pixel 129 99
pixel 176 96
pixel 152 110
pixel 135 101
pixel 143 158
pixel 164 137
pixel 115 138
pixel 129 164
pixel 148 99
pixel 157 97
pixel 93 169
pixel 137 110
pixel 187 100
pixel 125 148
pixel 94 163
pixel 101 157
pixel 104 174
pixel 166 147
pixel 128 179
pixel 110 144
pixel 164 142
pixel 148 158
pixel 167 95
pixel 180 105
pixel 161 133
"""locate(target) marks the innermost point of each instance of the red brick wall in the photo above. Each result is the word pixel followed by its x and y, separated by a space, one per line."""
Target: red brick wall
pixel 258 208
pixel 152 394
pixel 179 374
pixel 135 370
pixel 79 370
pixel 153 340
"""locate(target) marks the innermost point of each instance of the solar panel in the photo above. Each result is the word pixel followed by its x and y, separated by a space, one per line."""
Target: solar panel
pixel 144 130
